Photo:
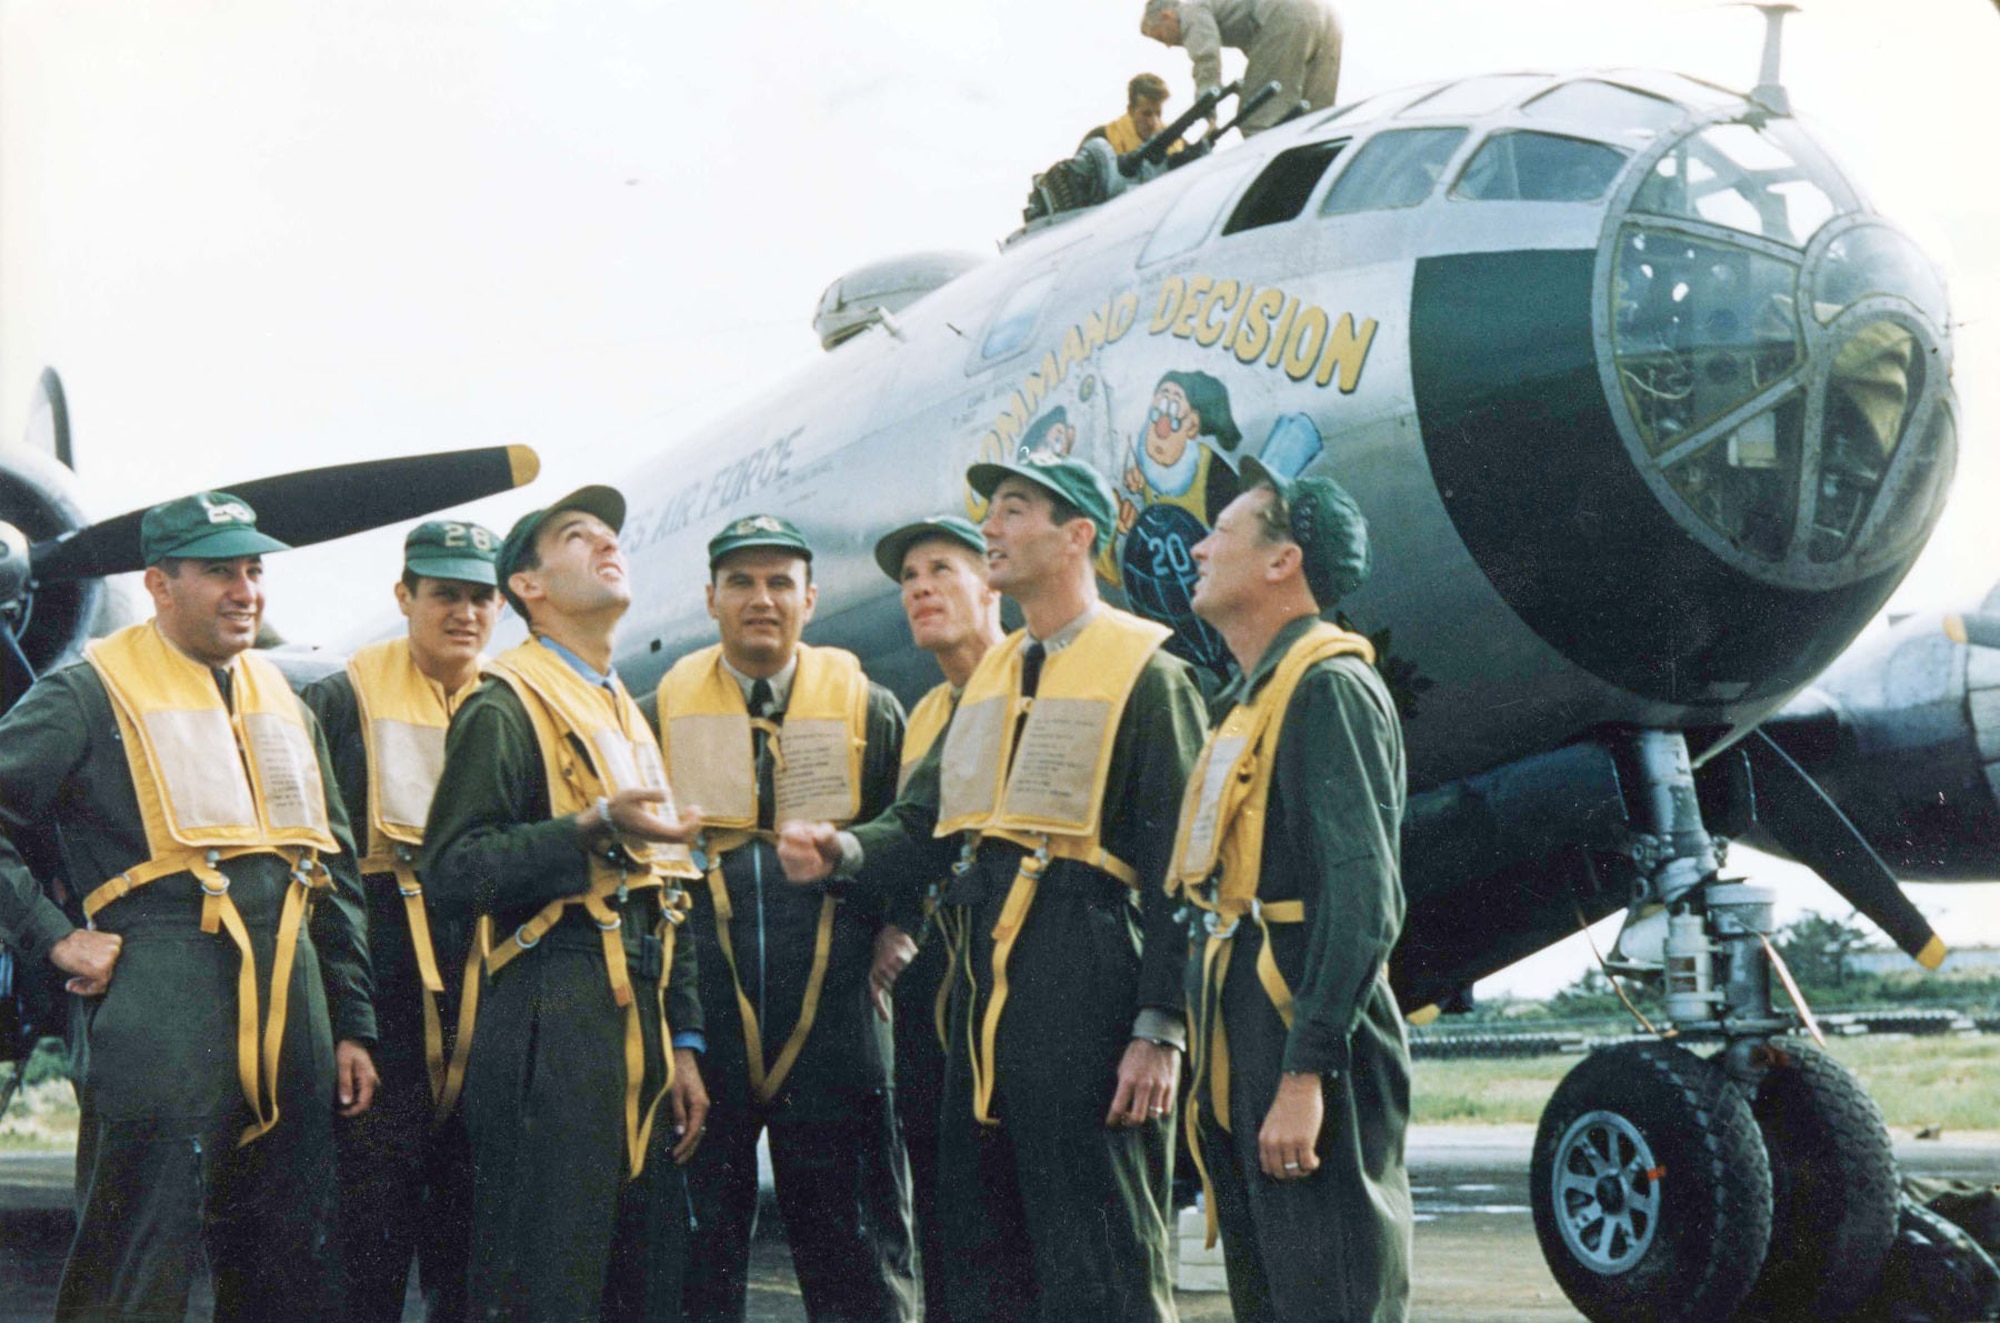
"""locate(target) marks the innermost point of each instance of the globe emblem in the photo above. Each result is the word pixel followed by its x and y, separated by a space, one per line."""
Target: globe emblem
pixel 1158 564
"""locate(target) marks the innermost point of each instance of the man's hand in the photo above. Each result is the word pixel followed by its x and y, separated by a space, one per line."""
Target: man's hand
pixel 87 956
pixel 809 851
pixel 1286 1146
pixel 355 1077
pixel 631 813
pixel 1146 1077
pixel 894 950
pixel 689 1100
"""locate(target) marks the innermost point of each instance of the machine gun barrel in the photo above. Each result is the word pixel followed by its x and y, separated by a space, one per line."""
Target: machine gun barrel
pixel 1154 149
pixel 1246 108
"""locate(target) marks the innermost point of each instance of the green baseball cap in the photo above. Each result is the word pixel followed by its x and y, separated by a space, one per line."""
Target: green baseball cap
pixel 1072 479
pixel 1328 526
pixel 205 526
pixel 891 550
pixel 607 503
pixel 451 549
pixel 759 530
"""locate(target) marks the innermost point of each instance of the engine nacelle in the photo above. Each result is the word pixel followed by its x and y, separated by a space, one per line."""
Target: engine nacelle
pixel 38 501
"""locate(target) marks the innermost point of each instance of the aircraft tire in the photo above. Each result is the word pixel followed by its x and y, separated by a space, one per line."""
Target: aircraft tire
pixel 1834 1188
pixel 1650 1187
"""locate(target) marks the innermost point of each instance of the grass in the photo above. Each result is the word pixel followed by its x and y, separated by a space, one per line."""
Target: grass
pixel 1944 1080
pixel 1947 1081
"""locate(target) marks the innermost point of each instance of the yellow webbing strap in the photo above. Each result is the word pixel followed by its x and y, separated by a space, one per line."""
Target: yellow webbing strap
pixel 605 883
pixel 765 1082
pixel 400 866
pixel 468 1015
pixel 1014 913
pixel 948 933
pixel 256 1073
pixel 639 1132
pixel 1208 1037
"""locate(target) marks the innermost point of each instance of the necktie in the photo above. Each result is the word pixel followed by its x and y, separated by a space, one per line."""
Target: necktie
pixel 1031 678
pixel 761 702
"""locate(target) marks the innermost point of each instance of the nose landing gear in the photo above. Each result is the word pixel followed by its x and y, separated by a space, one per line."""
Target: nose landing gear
pixel 1756 1182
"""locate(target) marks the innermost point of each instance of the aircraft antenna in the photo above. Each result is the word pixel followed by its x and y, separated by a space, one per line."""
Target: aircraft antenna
pixel 1770 93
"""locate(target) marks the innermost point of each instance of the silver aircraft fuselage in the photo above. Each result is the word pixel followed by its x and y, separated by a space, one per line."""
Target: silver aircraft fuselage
pixel 1647 410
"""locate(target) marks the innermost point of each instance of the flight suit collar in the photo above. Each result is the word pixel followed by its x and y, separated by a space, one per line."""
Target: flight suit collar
pixel 781 683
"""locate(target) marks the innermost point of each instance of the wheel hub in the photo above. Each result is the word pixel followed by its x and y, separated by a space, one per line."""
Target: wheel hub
pixel 1607 1205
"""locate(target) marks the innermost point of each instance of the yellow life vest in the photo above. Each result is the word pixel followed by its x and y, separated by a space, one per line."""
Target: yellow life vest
pixel 1123 135
pixel 596 744
pixel 816 752
pixel 404 714
pixel 1219 854
pixel 1044 791
pixel 216 784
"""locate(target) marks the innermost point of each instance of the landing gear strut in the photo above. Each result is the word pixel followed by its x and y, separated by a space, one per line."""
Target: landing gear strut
pixel 1754 1182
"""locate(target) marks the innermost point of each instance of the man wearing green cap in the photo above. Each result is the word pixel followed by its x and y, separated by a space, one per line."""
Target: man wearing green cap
pixel 553 831
pixel 758 729
pixel 940 562
pixel 405 1182
pixel 214 1024
pixel 1288 850
pixel 1051 799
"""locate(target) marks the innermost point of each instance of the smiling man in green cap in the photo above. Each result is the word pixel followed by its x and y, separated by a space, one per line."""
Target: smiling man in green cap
pixel 940 564
pixel 1052 800
pixel 1288 850
pixel 214 1025
pixel 553 831
pixel 405 1182
pixel 757 729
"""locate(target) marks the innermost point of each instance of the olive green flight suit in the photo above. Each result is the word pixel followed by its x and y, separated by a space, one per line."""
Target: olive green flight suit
pixel 405 1185
pixel 1052 1215
pixel 558 1231
pixel 161 1183
pixel 1335 1245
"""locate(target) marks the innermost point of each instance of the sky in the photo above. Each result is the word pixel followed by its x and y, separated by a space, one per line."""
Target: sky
pixel 257 235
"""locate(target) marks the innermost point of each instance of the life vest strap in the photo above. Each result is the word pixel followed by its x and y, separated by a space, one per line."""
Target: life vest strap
pixel 256 1072
pixel 468 1015
pixel 606 882
pixel 765 1081
pixel 1209 1037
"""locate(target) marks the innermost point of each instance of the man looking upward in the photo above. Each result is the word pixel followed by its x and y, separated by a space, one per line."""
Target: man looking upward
pixel 553 828
pixel 405 1183
pixel 1054 792
pixel 1288 845
pixel 215 1024
pixel 941 564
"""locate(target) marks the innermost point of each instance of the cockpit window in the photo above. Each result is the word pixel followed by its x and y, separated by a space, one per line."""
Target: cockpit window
pixel 1538 167
pixel 1280 193
pixel 1475 96
pixel 1399 168
pixel 1769 182
pixel 1017 317
pixel 1589 101
pixel 1187 222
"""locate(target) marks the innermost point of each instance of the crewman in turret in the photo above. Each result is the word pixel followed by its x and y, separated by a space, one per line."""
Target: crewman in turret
pixel 1145 101
pixel 759 728
pixel 1293 43
pixel 1287 850
pixel 405 1176
pixel 221 1010
pixel 553 830
pixel 1051 801
pixel 940 562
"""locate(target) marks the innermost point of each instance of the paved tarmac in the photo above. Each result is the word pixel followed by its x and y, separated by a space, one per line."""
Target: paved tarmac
pixel 1476 1256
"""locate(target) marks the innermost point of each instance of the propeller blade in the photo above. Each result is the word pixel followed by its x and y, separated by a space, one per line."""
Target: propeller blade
pixel 314 505
pixel 1815 832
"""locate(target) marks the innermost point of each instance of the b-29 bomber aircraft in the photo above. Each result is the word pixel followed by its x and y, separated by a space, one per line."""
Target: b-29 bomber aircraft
pixel 1649 411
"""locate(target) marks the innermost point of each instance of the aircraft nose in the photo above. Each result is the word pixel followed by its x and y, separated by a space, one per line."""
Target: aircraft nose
pixel 1697 458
